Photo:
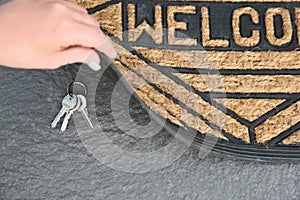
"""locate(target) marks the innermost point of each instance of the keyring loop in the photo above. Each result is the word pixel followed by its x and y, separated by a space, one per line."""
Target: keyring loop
pixel 70 88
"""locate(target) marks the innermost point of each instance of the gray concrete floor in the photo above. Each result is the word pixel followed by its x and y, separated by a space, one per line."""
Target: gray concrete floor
pixel 38 162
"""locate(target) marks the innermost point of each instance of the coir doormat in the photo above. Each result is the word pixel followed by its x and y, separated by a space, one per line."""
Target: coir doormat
pixel 228 68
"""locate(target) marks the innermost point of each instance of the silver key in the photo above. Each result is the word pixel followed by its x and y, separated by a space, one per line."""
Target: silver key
pixel 66 120
pixel 68 103
pixel 69 114
pixel 83 110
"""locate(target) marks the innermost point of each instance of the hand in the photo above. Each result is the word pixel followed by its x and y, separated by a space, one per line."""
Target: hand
pixel 46 34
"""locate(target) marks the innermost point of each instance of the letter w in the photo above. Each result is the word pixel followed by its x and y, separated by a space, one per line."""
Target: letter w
pixel 156 32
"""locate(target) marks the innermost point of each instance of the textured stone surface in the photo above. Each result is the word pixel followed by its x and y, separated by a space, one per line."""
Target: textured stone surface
pixel 38 162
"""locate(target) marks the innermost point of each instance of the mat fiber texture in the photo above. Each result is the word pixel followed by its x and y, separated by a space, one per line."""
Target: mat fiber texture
pixel 228 68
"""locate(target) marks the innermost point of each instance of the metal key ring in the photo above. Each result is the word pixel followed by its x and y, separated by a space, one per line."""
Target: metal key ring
pixel 70 88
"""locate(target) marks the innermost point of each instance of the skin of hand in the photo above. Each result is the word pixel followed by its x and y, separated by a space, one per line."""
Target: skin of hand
pixel 46 34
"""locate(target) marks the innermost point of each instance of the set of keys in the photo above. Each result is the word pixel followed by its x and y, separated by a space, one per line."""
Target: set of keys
pixel 70 104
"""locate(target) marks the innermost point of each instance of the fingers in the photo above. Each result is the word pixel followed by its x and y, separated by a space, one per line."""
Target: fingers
pixel 73 11
pixel 86 19
pixel 77 54
pixel 107 48
pixel 79 36
pixel 82 35
pixel 83 30
pixel 74 6
pixel 71 55
pixel 88 37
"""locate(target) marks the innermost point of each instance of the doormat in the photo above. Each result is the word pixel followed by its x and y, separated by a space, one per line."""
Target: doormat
pixel 228 68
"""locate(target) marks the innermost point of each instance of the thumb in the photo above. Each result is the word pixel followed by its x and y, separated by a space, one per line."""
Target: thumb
pixel 78 54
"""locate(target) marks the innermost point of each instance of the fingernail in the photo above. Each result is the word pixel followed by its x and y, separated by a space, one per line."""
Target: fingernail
pixel 94 66
pixel 93 61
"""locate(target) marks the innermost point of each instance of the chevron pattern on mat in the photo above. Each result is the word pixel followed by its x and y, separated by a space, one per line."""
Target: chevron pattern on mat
pixel 227 68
